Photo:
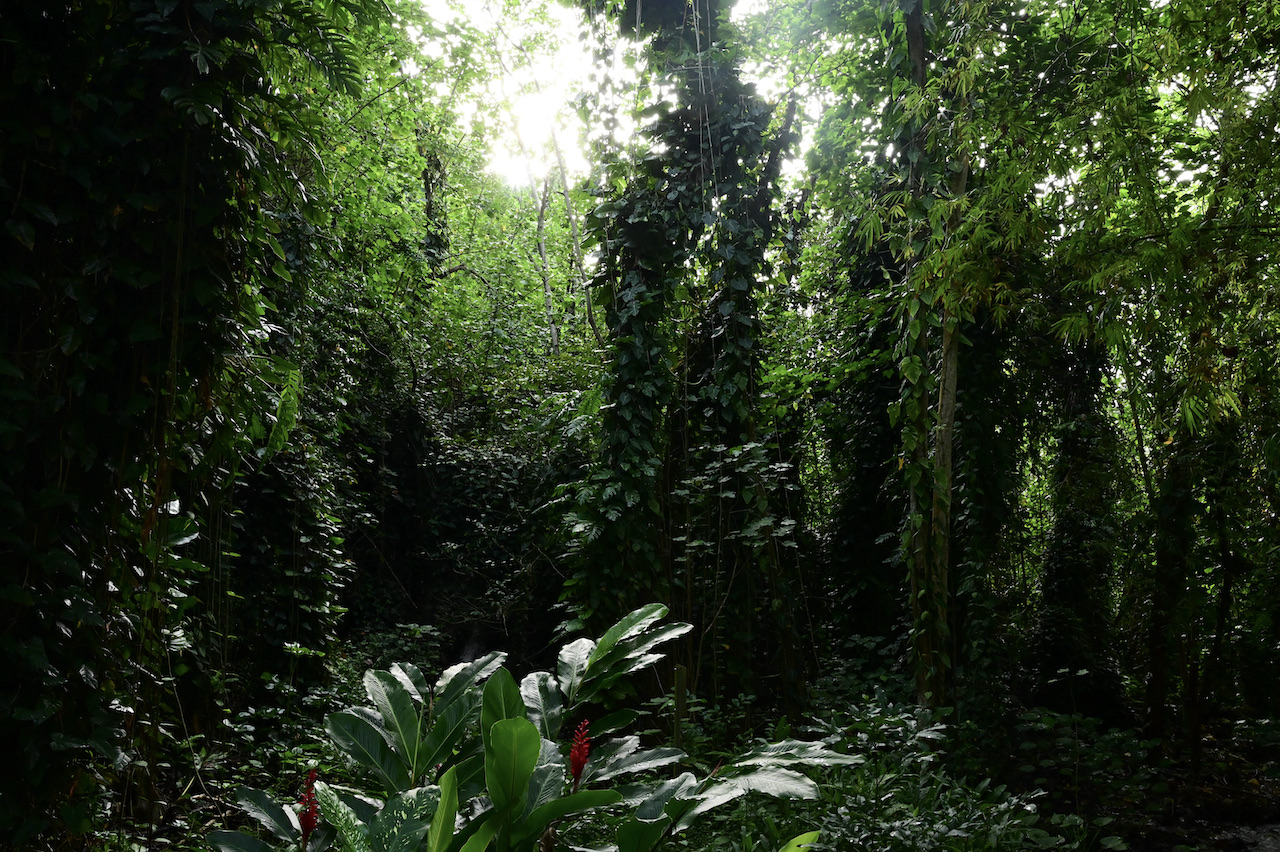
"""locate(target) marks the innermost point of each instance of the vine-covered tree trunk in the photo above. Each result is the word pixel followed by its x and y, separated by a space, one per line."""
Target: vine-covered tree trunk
pixel 1073 662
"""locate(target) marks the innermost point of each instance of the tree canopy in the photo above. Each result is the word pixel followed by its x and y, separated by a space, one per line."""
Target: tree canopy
pixel 920 346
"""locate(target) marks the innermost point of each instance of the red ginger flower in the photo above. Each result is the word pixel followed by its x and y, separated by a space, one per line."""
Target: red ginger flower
pixel 578 753
pixel 309 816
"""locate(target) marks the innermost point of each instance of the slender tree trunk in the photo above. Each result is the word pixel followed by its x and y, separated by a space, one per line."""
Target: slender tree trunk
pixel 1173 518
pixel 545 268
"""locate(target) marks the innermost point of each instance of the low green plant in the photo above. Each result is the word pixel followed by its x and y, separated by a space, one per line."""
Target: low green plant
pixel 476 761
pixel 902 797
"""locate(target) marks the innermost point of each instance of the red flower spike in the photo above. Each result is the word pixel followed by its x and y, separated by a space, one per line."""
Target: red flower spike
pixel 578 753
pixel 309 814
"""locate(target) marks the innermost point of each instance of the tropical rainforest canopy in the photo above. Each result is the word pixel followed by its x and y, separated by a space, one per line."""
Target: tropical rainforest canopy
pixel 923 355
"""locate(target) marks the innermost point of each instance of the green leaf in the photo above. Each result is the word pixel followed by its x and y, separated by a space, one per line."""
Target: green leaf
pixel 583 800
pixel 801 841
pixel 777 782
pixel 402 822
pixel 630 654
pixel 641 835
pixel 362 742
pixel 623 755
pixel 236 841
pixel 441 831
pixel 548 779
pixel 629 625
pixel 277 819
pixel 411 678
pixel 400 717
pixel 456 680
pixel 571 665
pixel 480 841
pixel 286 411
pixel 684 809
pixel 501 701
pixel 791 752
pixel 544 705
pixel 448 729
pixel 353 834
pixel 509 760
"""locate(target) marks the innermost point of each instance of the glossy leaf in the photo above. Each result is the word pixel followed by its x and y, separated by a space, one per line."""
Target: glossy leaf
pixel 400 718
pixel 509 760
pixel 501 701
pixel 361 741
pixel 440 834
pixel 279 820
pixel 543 702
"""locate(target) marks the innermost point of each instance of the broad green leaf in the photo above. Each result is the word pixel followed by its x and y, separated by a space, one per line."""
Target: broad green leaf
pixel 412 679
pixel 615 721
pixel 571 666
pixel 361 741
pixel 441 831
pixel 480 841
pixel 638 835
pixel 236 841
pixel 469 762
pixel 544 704
pixel 402 822
pixel 458 679
pixel 448 728
pixel 501 701
pixel 629 654
pixel 628 625
pixel 776 781
pixel 801 841
pixel 583 800
pixel 353 835
pixel 623 755
pixel 655 804
pixel 509 760
pixel 279 820
pixel 790 752
pixel 549 776
pixel 400 718
pixel 689 806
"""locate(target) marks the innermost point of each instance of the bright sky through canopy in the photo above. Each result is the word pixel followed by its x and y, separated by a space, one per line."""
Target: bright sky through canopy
pixel 539 61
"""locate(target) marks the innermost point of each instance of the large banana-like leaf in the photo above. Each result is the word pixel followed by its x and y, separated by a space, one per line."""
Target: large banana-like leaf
pixel 583 800
pixel 501 701
pixel 655 804
pixel 510 757
pixel 548 779
pixel 353 835
pixel 623 755
pixel 689 805
pixel 543 702
pixel 403 821
pixel 641 835
pixel 448 728
pixel 440 833
pixel 803 841
pixel 365 744
pixel 572 665
pixel 412 679
pixel 775 781
pixel 279 820
pixel 792 752
pixel 628 656
pixel 399 718
pixel 456 680
pixel 629 625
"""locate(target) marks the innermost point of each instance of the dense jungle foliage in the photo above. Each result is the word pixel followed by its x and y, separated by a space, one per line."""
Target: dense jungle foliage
pixel 920 359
